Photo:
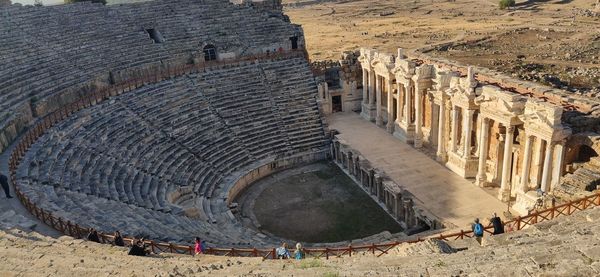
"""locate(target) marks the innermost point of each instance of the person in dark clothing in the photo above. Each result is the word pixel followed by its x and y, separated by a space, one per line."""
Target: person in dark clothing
pixel 93 236
pixel 137 249
pixel 118 239
pixel 4 183
pixel 497 223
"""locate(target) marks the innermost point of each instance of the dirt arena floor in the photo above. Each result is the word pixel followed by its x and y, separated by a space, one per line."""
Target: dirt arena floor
pixel 318 203
pixel 554 42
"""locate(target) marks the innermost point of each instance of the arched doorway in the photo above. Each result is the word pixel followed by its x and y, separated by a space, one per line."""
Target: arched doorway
pixel 584 154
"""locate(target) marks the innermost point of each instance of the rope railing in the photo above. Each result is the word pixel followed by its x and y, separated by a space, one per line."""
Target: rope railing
pixel 73 229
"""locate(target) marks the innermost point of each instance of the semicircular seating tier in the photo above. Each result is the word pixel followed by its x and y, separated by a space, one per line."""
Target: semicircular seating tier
pixel 51 55
pixel 137 162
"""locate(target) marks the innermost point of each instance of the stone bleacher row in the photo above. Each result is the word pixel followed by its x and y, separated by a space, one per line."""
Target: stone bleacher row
pixel 46 51
pixel 116 165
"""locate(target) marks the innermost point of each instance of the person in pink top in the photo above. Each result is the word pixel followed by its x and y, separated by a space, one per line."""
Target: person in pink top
pixel 198 246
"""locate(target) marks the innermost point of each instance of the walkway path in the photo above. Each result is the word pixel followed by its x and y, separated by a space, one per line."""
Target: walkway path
pixel 21 213
pixel 448 196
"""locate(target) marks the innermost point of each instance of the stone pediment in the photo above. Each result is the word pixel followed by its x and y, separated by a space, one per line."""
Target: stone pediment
pixel 442 79
pixel 500 105
pixel 366 55
pixel 383 64
pixel 404 69
pixel 461 94
pixel 424 72
pixel 544 120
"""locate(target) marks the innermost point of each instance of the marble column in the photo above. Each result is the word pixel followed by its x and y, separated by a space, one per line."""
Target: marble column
pixel 483 151
pixel 371 88
pixel 526 164
pixel 365 81
pixel 371 181
pixel 433 128
pixel 558 164
pixel 378 117
pixel 378 181
pixel 408 213
pixel 478 135
pixel 504 193
pixel 418 118
pixel 349 161
pixel 441 151
pixel 538 160
pixel 468 129
pixel 398 102
pixel 408 105
pixel 332 150
pixel 395 206
pixel 401 215
pixel 390 106
pixel 546 172
pixel 454 129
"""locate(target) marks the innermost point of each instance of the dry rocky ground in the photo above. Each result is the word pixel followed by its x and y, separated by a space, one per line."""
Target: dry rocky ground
pixel 567 246
pixel 554 42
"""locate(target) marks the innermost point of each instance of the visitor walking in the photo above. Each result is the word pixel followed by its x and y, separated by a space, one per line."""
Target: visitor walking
pixel 4 183
pixel 198 246
pixel 93 236
pixel 299 253
pixel 118 239
pixel 282 252
pixel 477 230
pixel 497 223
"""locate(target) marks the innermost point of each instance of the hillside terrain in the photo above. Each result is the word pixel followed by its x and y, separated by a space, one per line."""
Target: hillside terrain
pixel 553 42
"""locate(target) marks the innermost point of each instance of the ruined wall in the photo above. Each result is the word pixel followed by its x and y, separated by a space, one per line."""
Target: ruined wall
pixel 343 78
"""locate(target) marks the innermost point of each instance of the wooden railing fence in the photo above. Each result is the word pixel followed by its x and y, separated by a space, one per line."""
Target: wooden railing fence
pixel 73 229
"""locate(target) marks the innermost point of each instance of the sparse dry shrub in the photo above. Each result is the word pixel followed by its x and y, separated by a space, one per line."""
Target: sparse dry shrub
pixel 503 4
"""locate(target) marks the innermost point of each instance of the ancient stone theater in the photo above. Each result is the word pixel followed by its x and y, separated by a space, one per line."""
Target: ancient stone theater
pixel 155 118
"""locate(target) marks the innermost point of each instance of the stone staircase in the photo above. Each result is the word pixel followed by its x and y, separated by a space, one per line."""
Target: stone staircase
pixel 581 182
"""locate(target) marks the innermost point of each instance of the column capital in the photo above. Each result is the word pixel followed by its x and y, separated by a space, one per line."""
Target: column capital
pixel 510 129
pixel 554 142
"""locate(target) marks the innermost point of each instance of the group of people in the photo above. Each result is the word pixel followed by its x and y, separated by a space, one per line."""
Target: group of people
pixel 138 246
pixel 282 252
pixel 478 228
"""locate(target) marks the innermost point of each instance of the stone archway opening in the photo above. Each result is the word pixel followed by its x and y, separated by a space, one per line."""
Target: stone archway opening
pixel 584 154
